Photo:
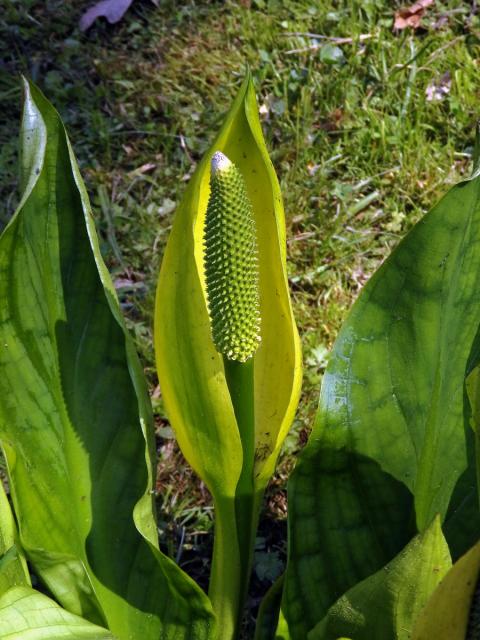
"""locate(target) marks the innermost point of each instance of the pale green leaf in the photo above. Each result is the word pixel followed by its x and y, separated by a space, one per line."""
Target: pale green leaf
pixel 26 614
pixel 447 613
pixel 386 605
pixel 75 419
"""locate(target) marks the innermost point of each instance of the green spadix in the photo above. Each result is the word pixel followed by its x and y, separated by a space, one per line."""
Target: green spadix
pixel 231 263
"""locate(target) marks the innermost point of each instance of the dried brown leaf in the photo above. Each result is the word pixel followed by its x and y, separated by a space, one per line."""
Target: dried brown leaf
pixel 411 16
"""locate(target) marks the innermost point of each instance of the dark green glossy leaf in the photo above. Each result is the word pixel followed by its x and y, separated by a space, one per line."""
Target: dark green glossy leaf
pixel 395 379
pixel 391 412
pixel 75 420
pixel 347 519
pixel 26 614
pixel 386 605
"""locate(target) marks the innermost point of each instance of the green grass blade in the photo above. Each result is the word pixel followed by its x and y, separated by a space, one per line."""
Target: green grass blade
pixel 75 420
pixel 391 413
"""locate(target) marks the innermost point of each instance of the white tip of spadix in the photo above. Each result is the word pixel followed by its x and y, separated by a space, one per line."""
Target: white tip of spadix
pixel 220 162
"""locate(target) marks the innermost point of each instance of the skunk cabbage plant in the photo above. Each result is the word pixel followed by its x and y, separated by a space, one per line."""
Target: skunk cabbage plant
pixel 383 514
pixel 227 348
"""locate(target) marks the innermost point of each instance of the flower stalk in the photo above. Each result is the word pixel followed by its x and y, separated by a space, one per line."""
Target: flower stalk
pixel 232 280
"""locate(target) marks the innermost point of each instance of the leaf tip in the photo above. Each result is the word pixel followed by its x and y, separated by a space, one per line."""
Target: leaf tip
pixel 27 93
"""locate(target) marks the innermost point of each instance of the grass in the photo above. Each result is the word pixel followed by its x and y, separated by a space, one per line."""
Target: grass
pixel 360 151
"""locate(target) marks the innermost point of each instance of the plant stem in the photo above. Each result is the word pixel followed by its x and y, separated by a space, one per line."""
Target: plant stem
pixel 240 381
pixel 226 574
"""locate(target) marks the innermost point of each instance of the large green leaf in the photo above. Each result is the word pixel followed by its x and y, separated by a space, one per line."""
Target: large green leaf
pixel 391 412
pixel 26 614
pixel 75 421
pixel 395 381
pixel 347 519
pixel 191 371
pixel 386 605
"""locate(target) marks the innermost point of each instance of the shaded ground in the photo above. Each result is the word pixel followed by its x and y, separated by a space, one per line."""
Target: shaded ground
pixel 365 133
